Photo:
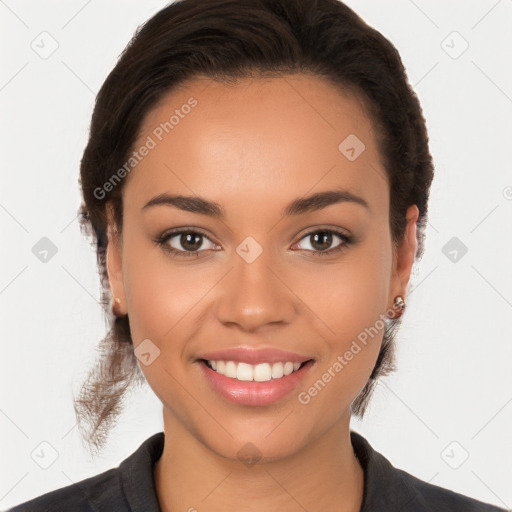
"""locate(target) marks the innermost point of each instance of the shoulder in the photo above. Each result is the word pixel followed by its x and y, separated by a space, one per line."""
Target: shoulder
pixel 388 489
pixel 99 492
pixel 127 487
pixel 434 498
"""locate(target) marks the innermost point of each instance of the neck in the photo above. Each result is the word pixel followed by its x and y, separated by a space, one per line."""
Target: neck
pixel 190 476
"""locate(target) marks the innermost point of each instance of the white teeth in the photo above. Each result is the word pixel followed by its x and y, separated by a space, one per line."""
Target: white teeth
pixel 243 371
pixel 277 370
pixel 258 372
pixel 262 372
pixel 230 370
pixel 288 368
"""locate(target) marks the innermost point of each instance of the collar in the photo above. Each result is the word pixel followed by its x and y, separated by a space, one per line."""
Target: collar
pixel 386 488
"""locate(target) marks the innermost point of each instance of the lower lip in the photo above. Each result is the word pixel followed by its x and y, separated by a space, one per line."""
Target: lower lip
pixel 251 392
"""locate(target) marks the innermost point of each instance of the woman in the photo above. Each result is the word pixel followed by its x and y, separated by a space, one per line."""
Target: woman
pixel 256 183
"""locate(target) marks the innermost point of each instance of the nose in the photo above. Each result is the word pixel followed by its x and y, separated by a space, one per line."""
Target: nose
pixel 254 295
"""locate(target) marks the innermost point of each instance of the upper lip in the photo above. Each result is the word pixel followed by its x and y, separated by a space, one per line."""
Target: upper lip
pixel 254 356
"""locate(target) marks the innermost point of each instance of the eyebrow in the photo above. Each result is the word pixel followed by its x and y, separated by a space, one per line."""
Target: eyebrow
pixel 300 206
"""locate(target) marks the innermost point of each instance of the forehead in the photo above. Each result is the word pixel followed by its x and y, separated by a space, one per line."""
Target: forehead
pixel 258 137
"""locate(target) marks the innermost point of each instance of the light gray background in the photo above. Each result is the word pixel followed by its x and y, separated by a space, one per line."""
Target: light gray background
pixel 452 395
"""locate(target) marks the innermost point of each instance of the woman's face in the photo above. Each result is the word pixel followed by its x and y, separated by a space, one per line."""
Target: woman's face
pixel 314 279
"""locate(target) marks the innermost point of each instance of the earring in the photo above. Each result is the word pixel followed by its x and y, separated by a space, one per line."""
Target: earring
pixel 116 300
pixel 398 307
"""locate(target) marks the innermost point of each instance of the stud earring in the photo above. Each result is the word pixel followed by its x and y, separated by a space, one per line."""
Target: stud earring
pixel 398 307
pixel 116 300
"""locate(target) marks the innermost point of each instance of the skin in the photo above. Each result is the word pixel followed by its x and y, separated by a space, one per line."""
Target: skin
pixel 254 147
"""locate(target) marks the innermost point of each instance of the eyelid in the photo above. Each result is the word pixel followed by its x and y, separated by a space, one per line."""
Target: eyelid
pixel 318 229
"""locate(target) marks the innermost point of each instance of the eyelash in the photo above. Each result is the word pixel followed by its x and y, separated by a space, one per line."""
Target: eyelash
pixel 165 237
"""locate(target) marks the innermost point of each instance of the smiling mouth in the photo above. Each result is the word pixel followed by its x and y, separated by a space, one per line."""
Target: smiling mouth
pixel 262 372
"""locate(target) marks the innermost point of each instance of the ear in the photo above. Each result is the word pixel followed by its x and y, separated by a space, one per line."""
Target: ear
pixel 404 255
pixel 114 264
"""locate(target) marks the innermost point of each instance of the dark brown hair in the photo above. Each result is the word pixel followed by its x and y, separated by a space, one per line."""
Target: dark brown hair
pixel 225 40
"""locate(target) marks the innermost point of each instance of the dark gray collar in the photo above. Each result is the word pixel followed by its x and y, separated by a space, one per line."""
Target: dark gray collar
pixel 386 488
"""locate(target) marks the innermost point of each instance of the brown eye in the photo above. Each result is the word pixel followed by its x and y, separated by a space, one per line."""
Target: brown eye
pixel 189 241
pixel 185 243
pixel 320 241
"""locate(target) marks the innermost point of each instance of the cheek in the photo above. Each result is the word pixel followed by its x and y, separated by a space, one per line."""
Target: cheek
pixel 351 294
pixel 350 298
pixel 162 296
